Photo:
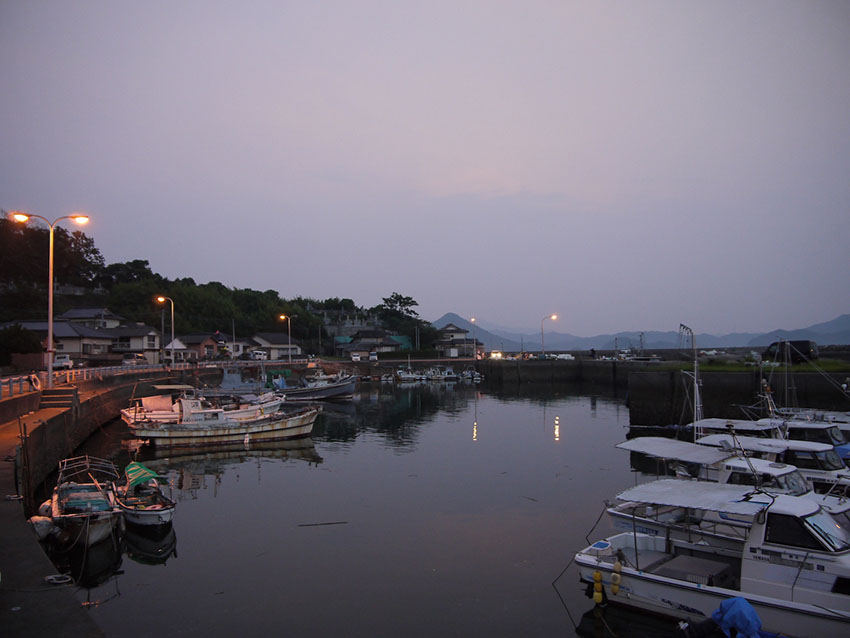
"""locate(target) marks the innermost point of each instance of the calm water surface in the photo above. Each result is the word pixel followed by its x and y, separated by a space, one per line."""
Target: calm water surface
pixel 421 511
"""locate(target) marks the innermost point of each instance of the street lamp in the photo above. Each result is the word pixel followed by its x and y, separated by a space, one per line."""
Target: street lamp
pixel 288 319
pixel 542 347
pixel 77 219
pixel 474 349
pixel 162 299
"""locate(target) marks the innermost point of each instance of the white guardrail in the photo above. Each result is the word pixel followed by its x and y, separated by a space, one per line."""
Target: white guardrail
pixel 21 384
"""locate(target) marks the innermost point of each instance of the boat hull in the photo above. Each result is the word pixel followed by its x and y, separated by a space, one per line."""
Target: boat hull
pixel 88 529
pixel 267 429
pixel 152 516
pixel 695 601
pixel 335 391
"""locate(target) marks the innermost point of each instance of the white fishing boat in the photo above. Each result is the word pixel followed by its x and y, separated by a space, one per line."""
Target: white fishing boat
pixel 161 408
pixel 217 426
pixel 469 373
pixel 817 431
pixel 819 463
pixel 793 565
pixel 318 388
pixel 139 497
pixel 441 374
pixel 83 502
pixel 728 464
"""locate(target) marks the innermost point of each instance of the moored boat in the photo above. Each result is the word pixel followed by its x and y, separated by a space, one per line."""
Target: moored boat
pixel 139 497
pixel 319 388
pixel 185 409
pixel 793 566
pixel 83 502
pixel 219 428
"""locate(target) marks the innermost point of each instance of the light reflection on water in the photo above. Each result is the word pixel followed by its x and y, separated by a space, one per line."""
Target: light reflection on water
pixel 417 511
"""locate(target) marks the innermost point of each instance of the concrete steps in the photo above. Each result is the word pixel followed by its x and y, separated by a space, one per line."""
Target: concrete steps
pixel 65 397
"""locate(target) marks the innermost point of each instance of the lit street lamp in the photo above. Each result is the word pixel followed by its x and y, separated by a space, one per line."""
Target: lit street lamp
pixel 288 319
pixel 23 218
pixel 474 349
pixel 542 347
pixel 162 299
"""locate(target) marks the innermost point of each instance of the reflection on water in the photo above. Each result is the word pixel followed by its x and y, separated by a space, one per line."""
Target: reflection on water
pixel 417 511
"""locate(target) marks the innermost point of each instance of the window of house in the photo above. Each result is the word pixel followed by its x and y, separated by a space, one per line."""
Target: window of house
pixel 151 342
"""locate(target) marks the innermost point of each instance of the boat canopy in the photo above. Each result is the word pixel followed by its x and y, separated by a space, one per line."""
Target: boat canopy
pixel 737 425
pixel 756 444
pixel 716 497
pixel 138 473
pixel 673 449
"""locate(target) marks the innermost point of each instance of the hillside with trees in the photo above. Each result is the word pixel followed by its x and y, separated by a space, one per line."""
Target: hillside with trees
pixel 82 279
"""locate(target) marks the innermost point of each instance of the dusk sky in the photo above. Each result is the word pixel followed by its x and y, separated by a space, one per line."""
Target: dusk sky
pixel 627 165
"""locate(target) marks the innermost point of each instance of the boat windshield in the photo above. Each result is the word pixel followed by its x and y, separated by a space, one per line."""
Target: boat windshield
pixel 831 533
pixel 829 460
pixel 794 483
pixel 836 436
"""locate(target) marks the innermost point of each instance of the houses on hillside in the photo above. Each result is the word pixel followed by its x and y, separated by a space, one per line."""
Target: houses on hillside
pixel 97 336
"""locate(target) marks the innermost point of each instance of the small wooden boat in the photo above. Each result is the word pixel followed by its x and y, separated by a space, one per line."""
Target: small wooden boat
pixel 140 498
pixel 83 503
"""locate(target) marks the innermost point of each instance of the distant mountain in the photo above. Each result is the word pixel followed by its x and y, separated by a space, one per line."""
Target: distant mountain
pixel 832 332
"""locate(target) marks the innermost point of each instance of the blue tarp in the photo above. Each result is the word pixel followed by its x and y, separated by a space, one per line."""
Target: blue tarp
pixel 737 618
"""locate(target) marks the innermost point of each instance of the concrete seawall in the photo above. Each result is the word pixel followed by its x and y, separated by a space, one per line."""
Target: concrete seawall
pixel 663 396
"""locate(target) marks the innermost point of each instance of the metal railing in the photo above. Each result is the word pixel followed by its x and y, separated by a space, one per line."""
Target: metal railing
pixel 23 383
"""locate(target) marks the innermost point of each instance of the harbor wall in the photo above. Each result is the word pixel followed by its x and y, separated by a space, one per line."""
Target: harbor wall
pixel 576 372
pixel 665 397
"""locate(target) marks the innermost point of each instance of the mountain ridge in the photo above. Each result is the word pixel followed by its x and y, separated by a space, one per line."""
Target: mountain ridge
pixel 833 332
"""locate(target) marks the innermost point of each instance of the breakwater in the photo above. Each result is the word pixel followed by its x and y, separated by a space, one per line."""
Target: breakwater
pixel 663 396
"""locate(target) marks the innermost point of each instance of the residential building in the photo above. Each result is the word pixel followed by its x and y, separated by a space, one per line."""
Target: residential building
pixel 277 345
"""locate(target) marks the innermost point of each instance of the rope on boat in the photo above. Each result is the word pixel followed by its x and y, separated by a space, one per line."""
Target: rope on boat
pixel 601 514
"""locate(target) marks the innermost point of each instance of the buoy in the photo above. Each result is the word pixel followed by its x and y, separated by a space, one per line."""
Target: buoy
pixel 36 382
pixel 42 526
pixel 45 509
pixel 615 583
pixel 597 587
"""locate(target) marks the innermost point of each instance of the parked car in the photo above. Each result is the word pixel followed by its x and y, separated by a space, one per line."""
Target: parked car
pixel 373 356
pixel 63 361
pixel 259 355
pixel 355 356
pixel 134 359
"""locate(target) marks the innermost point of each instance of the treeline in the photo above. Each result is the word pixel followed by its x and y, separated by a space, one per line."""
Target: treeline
pixel 130 289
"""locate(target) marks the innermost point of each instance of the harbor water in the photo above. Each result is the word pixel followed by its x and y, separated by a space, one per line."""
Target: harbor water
pixel 428 510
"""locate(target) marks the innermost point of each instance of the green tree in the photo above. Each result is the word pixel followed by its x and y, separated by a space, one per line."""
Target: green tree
pixel 15 339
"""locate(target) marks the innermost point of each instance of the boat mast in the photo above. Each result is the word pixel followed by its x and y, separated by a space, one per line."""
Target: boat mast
pixel 684 333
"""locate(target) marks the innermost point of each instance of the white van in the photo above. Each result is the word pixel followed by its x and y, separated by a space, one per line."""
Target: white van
pixel 259 355
pixel 355 357
pixel 373 356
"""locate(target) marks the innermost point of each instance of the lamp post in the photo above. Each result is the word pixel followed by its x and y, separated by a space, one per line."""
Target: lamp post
pixel 23 218
pixel 542 347
pixel 162 299
pixel 288 319
pixel 474 349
